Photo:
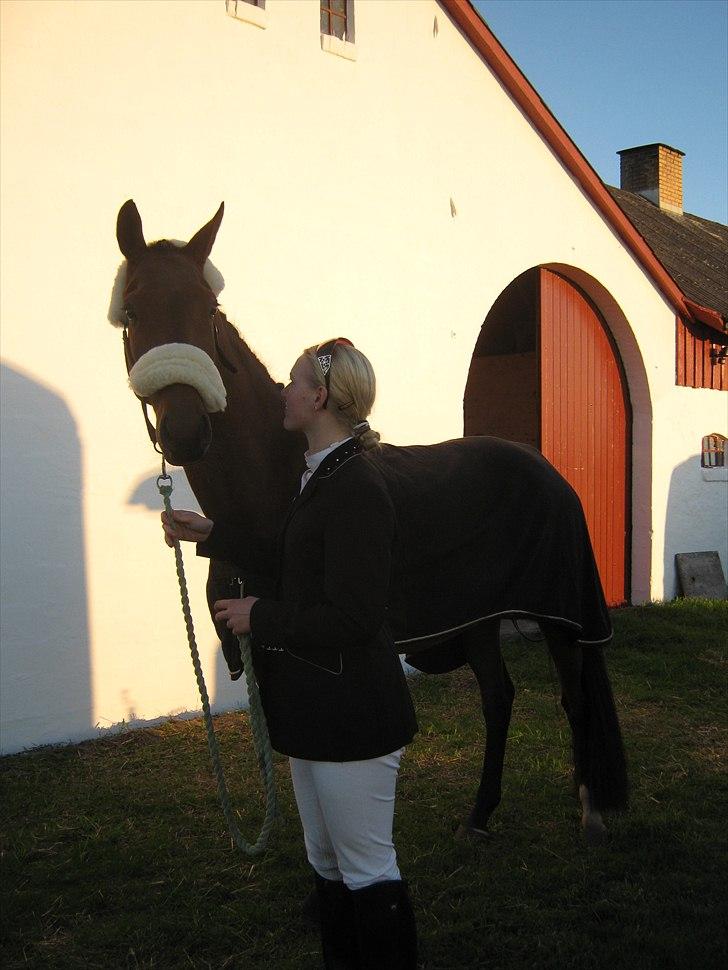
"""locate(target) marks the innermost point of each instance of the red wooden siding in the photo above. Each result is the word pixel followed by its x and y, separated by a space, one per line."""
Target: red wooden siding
pixel 693 366
pixel 586 422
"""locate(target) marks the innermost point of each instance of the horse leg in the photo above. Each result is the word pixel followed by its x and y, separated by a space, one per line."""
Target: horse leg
pixel 482 648
pixel 568 658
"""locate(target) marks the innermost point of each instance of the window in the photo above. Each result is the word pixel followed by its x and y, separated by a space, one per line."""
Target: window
pixel 713 451
pixel 249 11
pixel 333 18
pixel 337 28
pixel 337 20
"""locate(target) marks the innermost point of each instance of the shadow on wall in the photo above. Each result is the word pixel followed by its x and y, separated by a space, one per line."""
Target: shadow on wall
pixel 696 519
pixel 45 684
pixel 145 493
pixel 225 695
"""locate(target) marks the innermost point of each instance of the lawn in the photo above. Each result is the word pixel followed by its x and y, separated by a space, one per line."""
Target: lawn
pixel 115 852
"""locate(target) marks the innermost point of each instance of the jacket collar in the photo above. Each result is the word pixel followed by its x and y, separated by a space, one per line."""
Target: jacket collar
pixel 335 458
pixel 328 467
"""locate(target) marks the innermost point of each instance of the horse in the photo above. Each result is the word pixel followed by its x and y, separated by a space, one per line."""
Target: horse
pixel 488 528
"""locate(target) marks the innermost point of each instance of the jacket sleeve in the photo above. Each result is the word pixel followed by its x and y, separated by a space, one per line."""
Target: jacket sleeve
pixel 237 544
pixel 358 543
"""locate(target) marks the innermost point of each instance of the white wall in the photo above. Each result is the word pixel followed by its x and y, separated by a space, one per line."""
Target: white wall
pixel 695 501
pixel 338 177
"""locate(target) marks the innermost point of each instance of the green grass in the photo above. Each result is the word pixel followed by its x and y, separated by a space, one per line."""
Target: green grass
pixel 115 852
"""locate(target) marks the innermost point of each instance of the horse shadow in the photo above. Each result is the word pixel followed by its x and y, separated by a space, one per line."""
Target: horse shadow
pixel 45 691
pixel 225 695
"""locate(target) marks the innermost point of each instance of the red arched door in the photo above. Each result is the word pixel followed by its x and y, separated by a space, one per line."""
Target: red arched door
pixel 586 421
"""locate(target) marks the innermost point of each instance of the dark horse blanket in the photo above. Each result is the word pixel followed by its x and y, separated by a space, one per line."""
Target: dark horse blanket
pixel 487 528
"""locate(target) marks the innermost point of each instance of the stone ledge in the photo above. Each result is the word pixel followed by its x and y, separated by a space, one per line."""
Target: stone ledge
pixel 342 48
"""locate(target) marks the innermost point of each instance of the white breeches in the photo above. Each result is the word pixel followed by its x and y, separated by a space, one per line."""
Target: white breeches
pixel 347 810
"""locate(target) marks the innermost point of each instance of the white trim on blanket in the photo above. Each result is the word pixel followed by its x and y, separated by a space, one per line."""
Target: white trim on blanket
pixel 523 614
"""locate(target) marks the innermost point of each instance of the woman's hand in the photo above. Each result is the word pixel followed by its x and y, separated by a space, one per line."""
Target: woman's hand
pixel 235 614
pixel 187 525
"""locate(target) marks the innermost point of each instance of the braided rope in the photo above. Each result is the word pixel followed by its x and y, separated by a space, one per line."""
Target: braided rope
pixel 259 728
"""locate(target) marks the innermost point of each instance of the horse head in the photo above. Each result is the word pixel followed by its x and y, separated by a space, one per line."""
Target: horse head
pixel 164 300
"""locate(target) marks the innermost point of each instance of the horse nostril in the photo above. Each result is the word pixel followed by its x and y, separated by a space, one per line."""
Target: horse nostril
pixel 180 434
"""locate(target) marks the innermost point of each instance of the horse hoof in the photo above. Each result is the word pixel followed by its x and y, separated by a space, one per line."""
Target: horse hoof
pixel 595 832
pixel 467 831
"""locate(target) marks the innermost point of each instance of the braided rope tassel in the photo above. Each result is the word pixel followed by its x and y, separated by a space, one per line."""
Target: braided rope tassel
pixel 259 728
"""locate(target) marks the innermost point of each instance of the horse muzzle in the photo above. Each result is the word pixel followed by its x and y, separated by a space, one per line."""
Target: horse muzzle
pixel 184 434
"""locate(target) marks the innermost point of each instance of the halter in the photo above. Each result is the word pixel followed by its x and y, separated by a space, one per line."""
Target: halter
pixel 151 430
pixel 212 401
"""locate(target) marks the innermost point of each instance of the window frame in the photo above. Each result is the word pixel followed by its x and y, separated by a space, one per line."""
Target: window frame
pixel 713 450
pixel 248 11
pixel 336 45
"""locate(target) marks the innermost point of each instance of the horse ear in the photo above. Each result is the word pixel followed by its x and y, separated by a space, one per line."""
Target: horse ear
pixel 129 233
pixel 200 245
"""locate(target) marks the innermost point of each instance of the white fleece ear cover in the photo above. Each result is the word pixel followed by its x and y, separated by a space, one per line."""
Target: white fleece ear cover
pixel 212 274
pixel 179 364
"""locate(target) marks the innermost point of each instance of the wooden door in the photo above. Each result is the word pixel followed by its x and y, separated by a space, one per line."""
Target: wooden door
pixel 586 421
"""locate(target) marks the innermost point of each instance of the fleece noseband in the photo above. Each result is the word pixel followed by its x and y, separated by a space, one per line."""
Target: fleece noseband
pixel 179 364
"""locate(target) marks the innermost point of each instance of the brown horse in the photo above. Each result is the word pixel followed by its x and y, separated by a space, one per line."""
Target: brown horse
pixel 488 528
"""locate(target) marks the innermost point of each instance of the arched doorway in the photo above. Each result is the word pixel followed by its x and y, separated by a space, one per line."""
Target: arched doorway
pixel 546 372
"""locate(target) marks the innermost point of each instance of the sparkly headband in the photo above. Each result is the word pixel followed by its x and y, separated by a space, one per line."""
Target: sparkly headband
pixel 324 355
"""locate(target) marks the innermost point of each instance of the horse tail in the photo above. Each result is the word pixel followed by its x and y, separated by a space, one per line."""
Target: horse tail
pixel 605 763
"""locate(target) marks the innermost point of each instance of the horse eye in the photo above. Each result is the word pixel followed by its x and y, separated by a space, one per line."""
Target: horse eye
pixel 129 314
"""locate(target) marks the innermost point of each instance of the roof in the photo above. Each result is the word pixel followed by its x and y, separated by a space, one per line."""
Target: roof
pixel 694 251
pixel 466 17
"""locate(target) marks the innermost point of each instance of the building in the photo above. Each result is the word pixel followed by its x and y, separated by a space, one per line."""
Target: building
pixel 417 195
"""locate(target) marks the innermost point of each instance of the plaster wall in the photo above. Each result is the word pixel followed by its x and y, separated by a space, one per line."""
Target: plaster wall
pixel 390 198
pixel 695 500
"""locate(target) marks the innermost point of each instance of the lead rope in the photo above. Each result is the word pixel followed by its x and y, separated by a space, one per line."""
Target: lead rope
pixel 259 728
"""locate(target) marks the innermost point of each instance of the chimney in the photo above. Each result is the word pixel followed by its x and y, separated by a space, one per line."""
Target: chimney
pixel 655 172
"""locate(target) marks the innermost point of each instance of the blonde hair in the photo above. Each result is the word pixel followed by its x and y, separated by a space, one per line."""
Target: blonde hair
pixel 352 388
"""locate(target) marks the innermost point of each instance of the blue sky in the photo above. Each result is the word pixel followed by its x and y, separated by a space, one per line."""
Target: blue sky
pixel 620 73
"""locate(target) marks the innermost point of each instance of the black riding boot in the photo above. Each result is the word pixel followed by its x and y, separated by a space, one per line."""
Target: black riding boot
pixel 386 930
pixel 338 926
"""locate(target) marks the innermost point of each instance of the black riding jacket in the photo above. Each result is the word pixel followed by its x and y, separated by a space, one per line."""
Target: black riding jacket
pixel 330 678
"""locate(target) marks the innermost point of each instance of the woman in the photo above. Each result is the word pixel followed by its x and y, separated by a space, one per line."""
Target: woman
pixel 331 683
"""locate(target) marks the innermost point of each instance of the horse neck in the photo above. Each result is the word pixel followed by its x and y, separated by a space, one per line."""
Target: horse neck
pixel 251 470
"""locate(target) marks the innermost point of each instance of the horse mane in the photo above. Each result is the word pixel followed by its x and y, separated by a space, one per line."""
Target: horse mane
pixel 240 354
pixel 168 245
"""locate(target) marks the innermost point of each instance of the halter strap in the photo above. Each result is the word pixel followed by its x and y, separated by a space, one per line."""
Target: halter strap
pixel 223 359
pixel 151 430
